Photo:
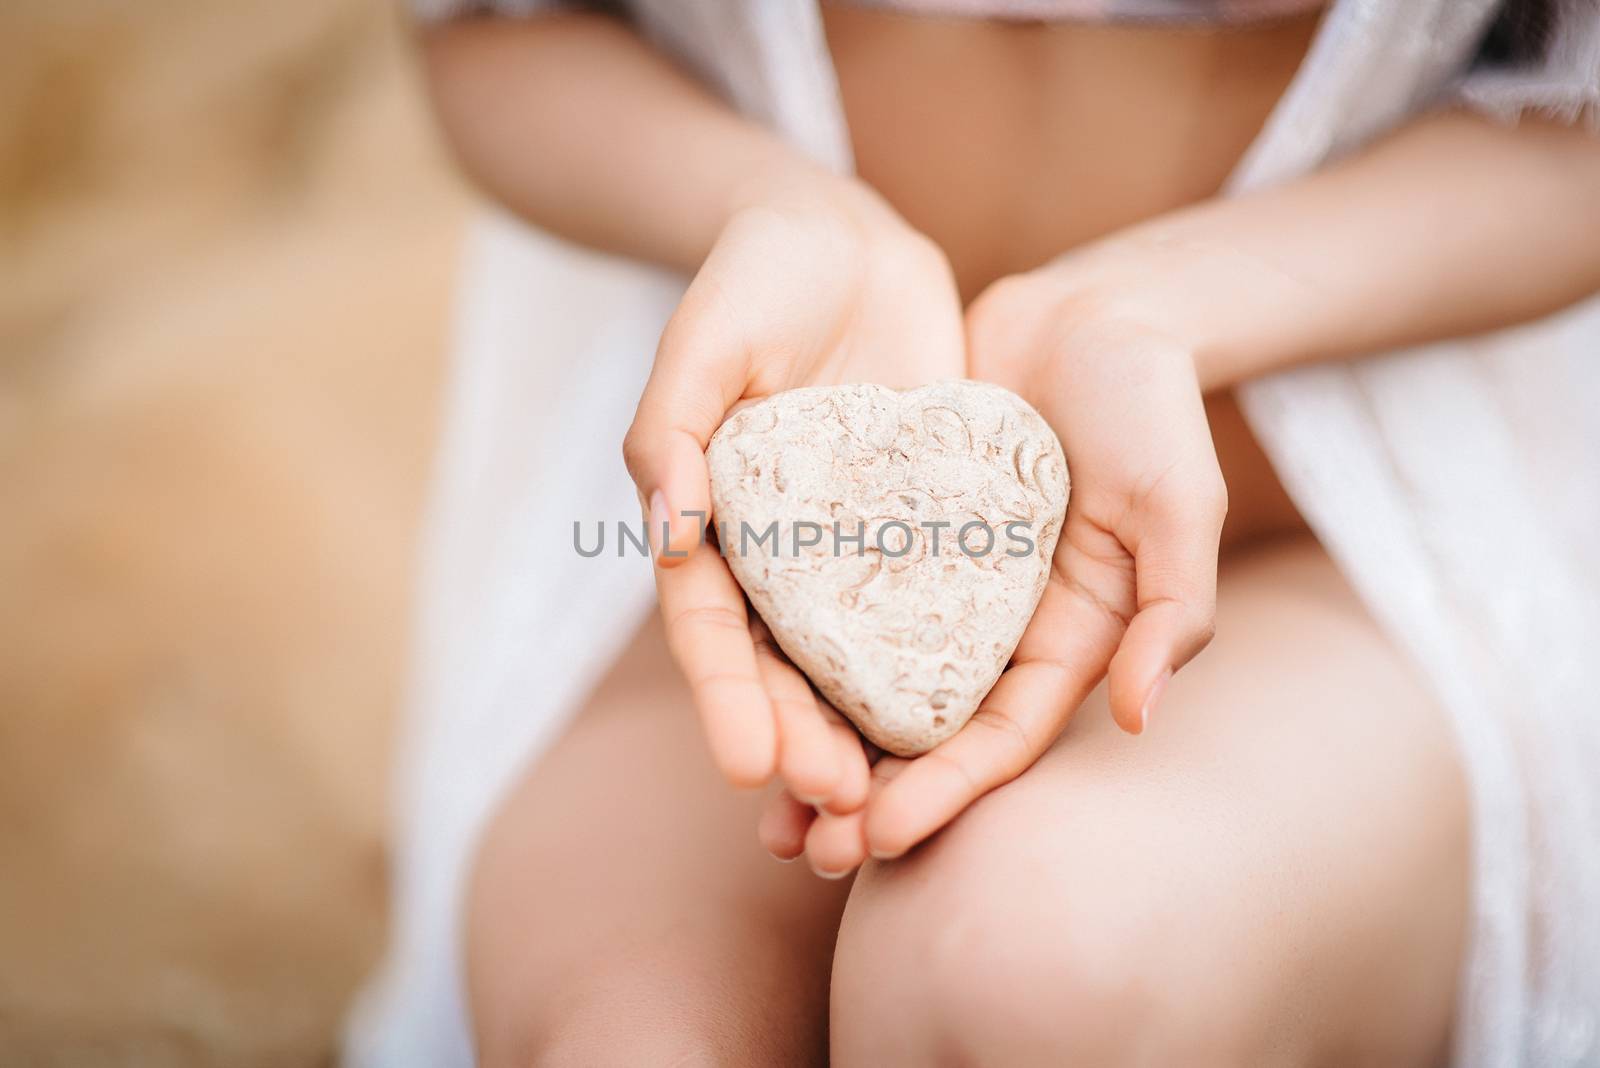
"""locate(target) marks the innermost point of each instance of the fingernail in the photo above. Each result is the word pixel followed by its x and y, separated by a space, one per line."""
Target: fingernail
pixel 831 875
pixel 782 860
pixel 884 854
pixel 1153 698
pixel 660 523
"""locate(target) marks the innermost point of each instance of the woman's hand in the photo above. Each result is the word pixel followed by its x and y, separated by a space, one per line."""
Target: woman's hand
pixel 813 281
pixel 1132 588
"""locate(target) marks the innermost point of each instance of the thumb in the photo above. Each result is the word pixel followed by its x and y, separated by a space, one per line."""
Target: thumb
pixel 1175 547
pixel 700 371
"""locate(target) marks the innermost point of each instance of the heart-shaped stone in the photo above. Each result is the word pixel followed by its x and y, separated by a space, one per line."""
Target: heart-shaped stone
pixel 895 543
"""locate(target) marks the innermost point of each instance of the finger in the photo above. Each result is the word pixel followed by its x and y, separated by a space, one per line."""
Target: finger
pixel 855 771
pixel 855 761
pixel 1019 719
pixel 783 825
pixel 808 757
pixel 836 844
pixel 699 372
pixel 1175 545
pixel 708 633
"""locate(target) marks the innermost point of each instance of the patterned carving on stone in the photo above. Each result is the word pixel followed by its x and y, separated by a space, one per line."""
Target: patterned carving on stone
pixel 957 492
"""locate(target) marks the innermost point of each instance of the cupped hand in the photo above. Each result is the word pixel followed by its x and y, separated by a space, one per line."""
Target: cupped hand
pixel 1132 589
pixel 814 281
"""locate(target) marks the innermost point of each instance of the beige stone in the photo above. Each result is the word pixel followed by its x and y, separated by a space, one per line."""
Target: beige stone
pixel 907 632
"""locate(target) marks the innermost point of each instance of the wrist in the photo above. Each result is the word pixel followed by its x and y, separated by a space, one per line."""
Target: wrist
pixel 1237 316
pixel 782 179
pixel 742 170
pixel 810 212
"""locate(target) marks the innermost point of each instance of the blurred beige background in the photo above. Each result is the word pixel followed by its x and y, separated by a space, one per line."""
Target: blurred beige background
pixel 226 243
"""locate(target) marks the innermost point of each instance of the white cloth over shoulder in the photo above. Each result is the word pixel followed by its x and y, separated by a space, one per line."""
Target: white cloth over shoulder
pixel 1457 485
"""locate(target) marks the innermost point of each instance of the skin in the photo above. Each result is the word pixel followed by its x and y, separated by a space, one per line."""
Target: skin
pixel 1219 892
pixel 569 958
pixel 1125 316
pixel 1274 875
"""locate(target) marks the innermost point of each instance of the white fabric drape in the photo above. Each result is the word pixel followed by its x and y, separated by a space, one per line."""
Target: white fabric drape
pixel 1457 485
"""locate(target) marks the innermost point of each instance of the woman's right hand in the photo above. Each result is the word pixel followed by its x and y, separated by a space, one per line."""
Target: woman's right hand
pixel 814 280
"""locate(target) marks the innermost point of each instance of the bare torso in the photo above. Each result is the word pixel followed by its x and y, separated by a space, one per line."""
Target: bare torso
pixel 1009 143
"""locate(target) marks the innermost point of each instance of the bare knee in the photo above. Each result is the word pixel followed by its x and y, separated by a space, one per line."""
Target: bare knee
pixel 624 1003
pixel 1276 875
pixel 548 988
pixel 588 965
pixel 957 956
pixel 601 1027
pixel 626 995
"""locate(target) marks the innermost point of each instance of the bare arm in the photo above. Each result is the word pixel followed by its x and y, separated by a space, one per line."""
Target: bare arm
pixel 802 277
pixel 577 125
pixel 1453 226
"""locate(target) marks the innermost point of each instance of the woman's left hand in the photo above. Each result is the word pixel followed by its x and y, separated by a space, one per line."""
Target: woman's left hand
pixel 1132 589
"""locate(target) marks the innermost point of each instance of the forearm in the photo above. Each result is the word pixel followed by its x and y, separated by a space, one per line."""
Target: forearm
pixel 1450 227
pixel 577 125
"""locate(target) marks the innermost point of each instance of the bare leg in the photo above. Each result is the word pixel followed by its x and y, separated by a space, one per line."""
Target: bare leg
pixel 1276 873
pixel 622 911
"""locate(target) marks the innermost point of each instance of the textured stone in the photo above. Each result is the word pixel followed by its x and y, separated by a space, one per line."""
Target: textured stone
pixel 904 640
